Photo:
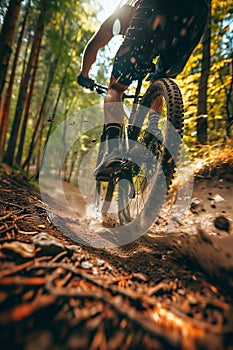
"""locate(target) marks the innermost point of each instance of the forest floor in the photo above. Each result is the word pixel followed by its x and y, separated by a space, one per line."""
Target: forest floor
pixel 170 289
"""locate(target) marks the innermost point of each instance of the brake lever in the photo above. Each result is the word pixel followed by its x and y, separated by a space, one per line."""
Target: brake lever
pixel 100 89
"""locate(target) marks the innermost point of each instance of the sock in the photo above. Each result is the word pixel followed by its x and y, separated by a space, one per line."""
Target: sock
pixel 113 131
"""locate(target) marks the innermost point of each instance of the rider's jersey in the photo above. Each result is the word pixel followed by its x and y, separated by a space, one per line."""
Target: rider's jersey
pixel 134 3
pixel 131 3
pixel 124 10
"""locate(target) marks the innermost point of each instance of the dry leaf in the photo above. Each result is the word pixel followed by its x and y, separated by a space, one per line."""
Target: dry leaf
pixel 25 250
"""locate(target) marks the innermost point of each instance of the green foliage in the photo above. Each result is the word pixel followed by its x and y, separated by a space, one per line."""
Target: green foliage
pixel 219 80
pixel 69 24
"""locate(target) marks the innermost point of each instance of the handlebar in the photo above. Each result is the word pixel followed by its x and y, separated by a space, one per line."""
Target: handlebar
pixel 100 89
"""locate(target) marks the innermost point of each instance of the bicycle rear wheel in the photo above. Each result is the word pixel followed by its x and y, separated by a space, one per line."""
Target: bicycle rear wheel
pixel 143 191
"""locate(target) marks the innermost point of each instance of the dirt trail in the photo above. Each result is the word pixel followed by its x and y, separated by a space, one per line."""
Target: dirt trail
pixel 170 289
pixel 204 232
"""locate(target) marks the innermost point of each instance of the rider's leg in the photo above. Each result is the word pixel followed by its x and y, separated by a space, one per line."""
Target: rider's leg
pixel 114 119
pixel 114 113
pixel 113 109
pixel 131 62
pixel 157 105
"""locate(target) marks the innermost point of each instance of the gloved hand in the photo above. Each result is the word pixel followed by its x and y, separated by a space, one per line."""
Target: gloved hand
pixel 85 82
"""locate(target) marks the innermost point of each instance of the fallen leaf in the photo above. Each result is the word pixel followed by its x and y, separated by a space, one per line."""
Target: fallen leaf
pixel 27 233
pixel 25 250
pixel 41 226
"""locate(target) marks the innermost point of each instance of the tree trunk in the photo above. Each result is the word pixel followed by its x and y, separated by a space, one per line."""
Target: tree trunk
pixel 229 111
pixel 202 121
pixel 7 101
pixel 9 155
pixel 26 114
pixel 38 156
pixel 6 38
pixel 33 140
pixel 56 105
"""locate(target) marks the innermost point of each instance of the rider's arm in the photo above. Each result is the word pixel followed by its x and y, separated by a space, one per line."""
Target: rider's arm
pixel 100 39
pixel 103 36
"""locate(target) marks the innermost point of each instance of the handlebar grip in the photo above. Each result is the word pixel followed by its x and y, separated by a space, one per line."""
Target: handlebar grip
pixel 87 83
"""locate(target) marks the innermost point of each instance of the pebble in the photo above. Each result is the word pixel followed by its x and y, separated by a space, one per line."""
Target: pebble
pixel 218 198
pixel 48 244
pixel 86 265
pixel 95 271
pixel 100 263
pixel 222 223
pixel 181 291
pixel 195 203
pixel 75 248
pixel 193 301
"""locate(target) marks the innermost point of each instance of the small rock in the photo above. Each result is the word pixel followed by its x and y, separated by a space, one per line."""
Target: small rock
pixel 170 252
pixel 215 200
pixel 100 262
pixel 195 203
pixel 95 271
pixel 195 206
pixel 75 248
pixel 222 223
pixel 181 291
pixel 48 244
pixel 86 265
pixel 218 198
pixel 193 301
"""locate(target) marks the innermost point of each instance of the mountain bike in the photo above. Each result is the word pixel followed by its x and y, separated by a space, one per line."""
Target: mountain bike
pixel 137 187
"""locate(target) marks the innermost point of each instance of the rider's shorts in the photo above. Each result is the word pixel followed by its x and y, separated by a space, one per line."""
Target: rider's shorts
pixel 170 29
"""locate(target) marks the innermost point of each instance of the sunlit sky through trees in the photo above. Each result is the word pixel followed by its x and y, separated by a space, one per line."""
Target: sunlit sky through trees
pixel 111 49
pixel 108 7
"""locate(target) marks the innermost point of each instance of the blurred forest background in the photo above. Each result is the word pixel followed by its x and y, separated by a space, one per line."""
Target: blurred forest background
pixel 41 45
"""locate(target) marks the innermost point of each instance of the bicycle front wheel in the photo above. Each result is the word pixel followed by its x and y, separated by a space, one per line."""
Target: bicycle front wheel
pixel 155 151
